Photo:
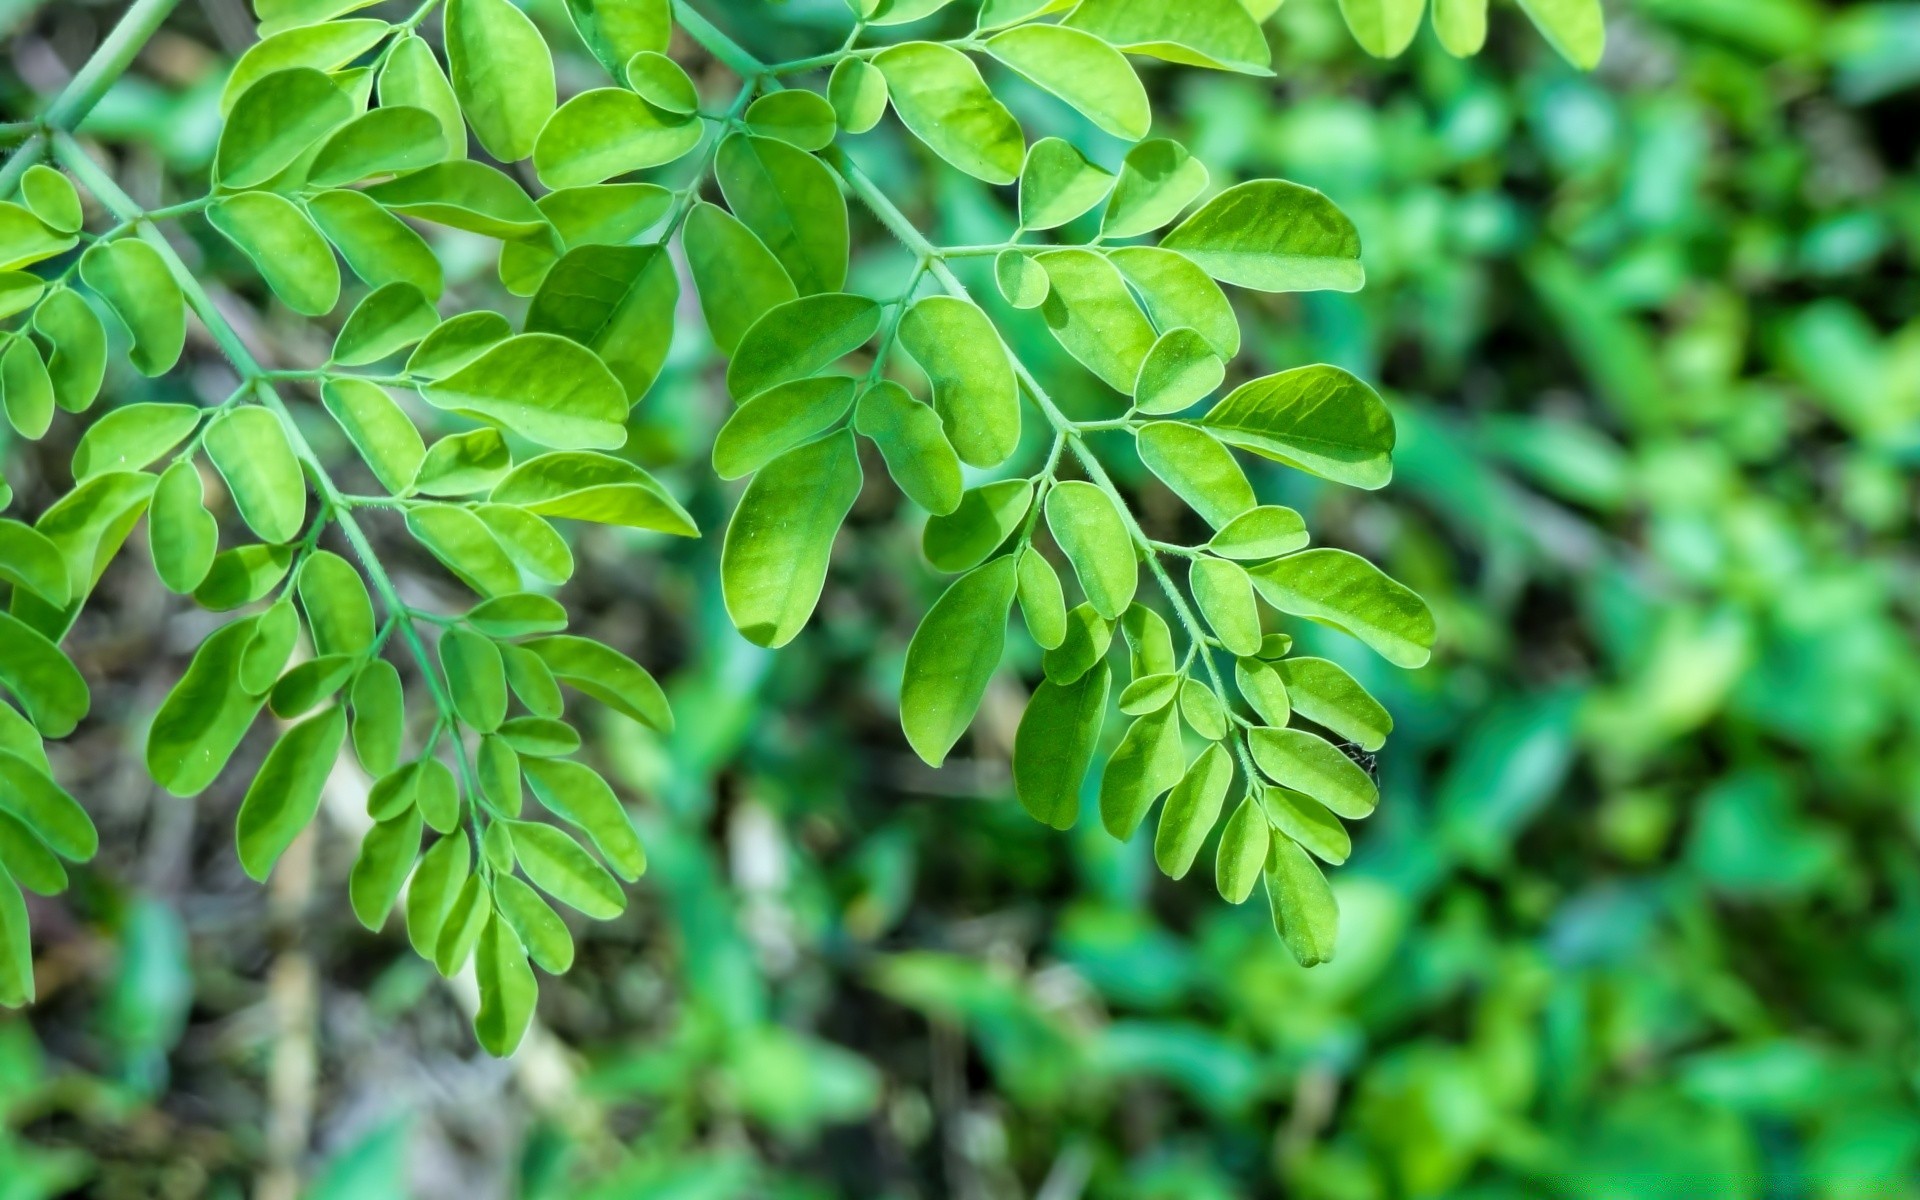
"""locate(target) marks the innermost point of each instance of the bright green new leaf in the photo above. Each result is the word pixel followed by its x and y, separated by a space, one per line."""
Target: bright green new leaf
pixel 26 389
pixel 518 615
pixel 1191 810
pixel 25 239
pixel 285 795
pixel 50 196
pixel 778 419
pixel 541 386
pixel 249 447
pixel 1201 33
pixel 962 539
pixel 909 435
pixel 29 559
pixel 379 716
pixel 1461 25
pixel 386 321
pixel 1148 761
pixel 1272 236
pixel 507 988
pixel 1265 532
pixel 323 47
pixel 438 879
pixel 540 737
pixel 607 675
pixel 617 301
pixel 1224 596
pixel 1304 910
pixel 1087 638
pixel 1203 711
pixel 465 195
pixel 796 116
pixel 1095 317
pixel 88 525
pixel 1150 693
pixel 606 214
pixel 203 718
pixel 798 338
pixel 1576 28
pixel 19 291
pixel 1299 760
pixel 412 78
pixel 1350 593
pixel 1054 745
pixel 1022 281
pixel 1179 294
pixel 339 611
pixel 1198 468
pixel 531 541
pixel 1383 27
pixel 502 74
pixel 606 132
pixel 181 533
pixel 1264 690
pixel 737 277
pixel 285 247
pixel 475 679
pixel 383 434
pixel 1242 853
pixel 1324 693
pixel 1319 419
pixel 274 122
pixel 1179 372
pixel 792 203
pixel 1307 822
pixel 973 382
pixel 79 359
pixel 1095 540
pixel 464 545
pixel 1042 603
pixel 456 342
pixel 662 82
pixel 134 281
pixel 380 247
pixel 584 486
pixel 541 930
pixel 858 92
pixel 386 141
pixel 580 797
pixel 1082 70
pixel 953 656
pixel 942 99
pixel 616 30
pixel 561 868
pixel 496 765
pixel 899 12
pixel 130 438
pixel 774 561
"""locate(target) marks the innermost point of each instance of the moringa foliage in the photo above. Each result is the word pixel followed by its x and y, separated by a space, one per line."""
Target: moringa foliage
pixel 346 136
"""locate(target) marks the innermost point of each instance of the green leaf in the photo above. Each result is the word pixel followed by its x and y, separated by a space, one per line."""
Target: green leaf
pixel 607 214
pixel 607 675
pixel 857 90
pixel 796 116
pixel 412 78
pixel 1242 853
pixel 616 30
pixel 275 121
pixel 953 656
pixel 558 866
pixel 963 539
pixel 1054 745
pixel 19 291
pixel 941 98
pixel 798 338
pixel 1304 910
pixel 617 301
pixel 339 611
pixel 1204 712
pixel 309 683
pixel 456 342
pixel 242 575
pixel 88 525
pixel 56 818
pixel 16 946
pixel 49 195
pixel 780 418
pixel 129 438
pixel 1201 33
pixel 502 74
pixel 1095 540
pixel 1265 532
pixel 1576 28
pixel 1272 236
pixel 606 132
pixel 1224 594
pixel 1260 683
pixel 532 680
pixel 973 382
pixel 1349 593
pixel 249 446
pixel 182 534
pixel 26 858
pixel 1086 641
pixel 383 434
pixel 277 16
pixel 543 387
pixel 585 486
pixel 497 767
pixel 1198 468
pixel 46 683
pixel 1148 761
pixel 774 561
pixel 1179 371
pixel 464 195
pixel 995 14
pixel 901 12
pixel 507 989
pixel 1318 419
pixel 1299 760
pixel 909 435
pixel 1325 694
pixel 792 203
pixel 25 240
pixel 29 559
pixel 437 796
pixel 285 795
pixel 78 361
pixel 532 542
pixel 1191 810
pixel 1082 70
pixel 463 544
pixel 387 320
pixel 1094 317
pixel 204 717
pixel 1177 293
pixel 1307 821
pixel 737 277
pixel 1150 693
pixel 541 930
pixel 1042 604
pixel 1461 25
pixel 389 140
pixel 540 737
pixel 661 82
pixel 518 615
pixel 387 853
pixel 578 796
pixel 1383 27
pixel 134 281
pixel 475 679
pixel 265 656
pixel 436 882
pixel 380 247
pixel 1022 281
pixel 324 47
pixel 379 716
pixel 284 246
pixel 26 389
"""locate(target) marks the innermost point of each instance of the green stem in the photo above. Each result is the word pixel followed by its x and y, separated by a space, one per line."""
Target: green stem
pixel 122 206
pixel 718 44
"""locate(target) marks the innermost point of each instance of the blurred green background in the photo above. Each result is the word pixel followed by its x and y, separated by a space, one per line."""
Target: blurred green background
pixel 1639 915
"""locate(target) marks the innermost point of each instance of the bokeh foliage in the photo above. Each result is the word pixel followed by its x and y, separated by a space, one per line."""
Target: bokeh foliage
pixel 1638 916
